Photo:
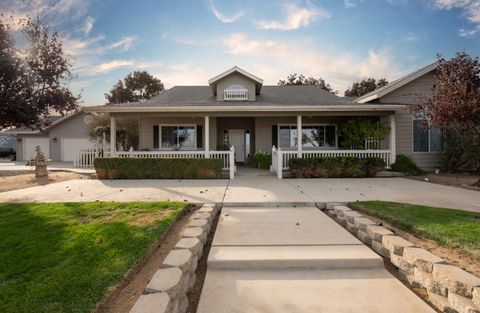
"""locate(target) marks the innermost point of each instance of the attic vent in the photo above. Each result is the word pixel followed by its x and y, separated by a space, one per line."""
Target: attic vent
pixel 235 93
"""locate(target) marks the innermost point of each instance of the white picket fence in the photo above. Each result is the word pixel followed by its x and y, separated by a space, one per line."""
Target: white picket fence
pixel 281 159
pixel 85 157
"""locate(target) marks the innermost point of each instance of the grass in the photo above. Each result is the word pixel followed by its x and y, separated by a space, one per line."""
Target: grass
pixel 447 227
pixel 64 257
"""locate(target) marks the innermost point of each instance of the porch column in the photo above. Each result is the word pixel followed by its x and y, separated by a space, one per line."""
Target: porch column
pixel 393 139
pixel 207 136
pixel 299 136
pixel 113 135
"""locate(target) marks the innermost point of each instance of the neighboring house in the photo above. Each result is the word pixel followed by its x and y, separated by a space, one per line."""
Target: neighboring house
pixel 237 110
pixel 60 141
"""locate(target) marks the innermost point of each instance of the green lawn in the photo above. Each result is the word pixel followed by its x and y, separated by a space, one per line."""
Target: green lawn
pixel 63 257
pixel 447 227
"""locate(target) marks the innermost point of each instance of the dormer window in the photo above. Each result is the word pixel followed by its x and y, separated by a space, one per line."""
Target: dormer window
pixel 235 93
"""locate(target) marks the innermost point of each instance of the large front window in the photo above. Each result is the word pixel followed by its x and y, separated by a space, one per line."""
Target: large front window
pixel 313 136
pixel 178 136
pixel 426 139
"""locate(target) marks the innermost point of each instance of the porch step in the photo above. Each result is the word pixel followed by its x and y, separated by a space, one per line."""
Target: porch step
pixel 293 257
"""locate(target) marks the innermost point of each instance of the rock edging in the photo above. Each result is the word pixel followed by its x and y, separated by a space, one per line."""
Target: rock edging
pixel 450 288
pixel 167 290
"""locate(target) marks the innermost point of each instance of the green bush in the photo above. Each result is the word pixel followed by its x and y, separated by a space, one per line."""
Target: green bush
pixel 157 168
pixel 405 164
pixel 261 159
pixel 335 167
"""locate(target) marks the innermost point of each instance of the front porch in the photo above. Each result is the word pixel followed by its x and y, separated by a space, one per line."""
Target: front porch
pixel 235 138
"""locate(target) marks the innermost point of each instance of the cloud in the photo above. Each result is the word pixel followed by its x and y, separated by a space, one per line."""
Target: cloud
pixel 113 65
pixel 87 27
pixel 349 4
pixel 410 37
pixel 471 8
pixel 468 32
pixel 124 43
pixel 295 17
pixel 183 74
pixel 223 18
pixel 339 69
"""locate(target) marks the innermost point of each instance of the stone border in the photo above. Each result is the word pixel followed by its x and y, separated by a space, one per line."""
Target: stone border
pixel 450 288
pixel 167 290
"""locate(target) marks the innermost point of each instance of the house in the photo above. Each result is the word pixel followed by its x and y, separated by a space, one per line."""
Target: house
pixel 60 141
pixel 236 110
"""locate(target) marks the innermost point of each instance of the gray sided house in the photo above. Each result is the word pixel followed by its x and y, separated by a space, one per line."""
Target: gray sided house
pixel 60 141
pixel 236 112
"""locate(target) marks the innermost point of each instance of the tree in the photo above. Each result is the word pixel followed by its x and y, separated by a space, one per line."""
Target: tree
pixel 127 131
pixel 33 80
pixel 136 86
pixel 295 79
pixel 365 86
pixel 454 106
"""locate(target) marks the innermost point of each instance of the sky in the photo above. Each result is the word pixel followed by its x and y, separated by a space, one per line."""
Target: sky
pixel 186 42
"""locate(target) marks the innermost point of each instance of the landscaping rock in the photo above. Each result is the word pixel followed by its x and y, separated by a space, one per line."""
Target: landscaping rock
pixel 191 281
pixel 193 244
pixel 395 244
pixel 380 249
pixel 331 205
pixel 207 210
pixel 426 280
pixel 183 305
pixel 362 223
pixel 202 223
pixel 195 232
pixel 352 228
pixel 193 268
pixel 455 279
pixel 421 258
pixel 377 232
pixel 340 209
pixel 152 303
pixel 168 280
pixel 440 302
pixel 179 258
pixel 202 216
pixel 351 215
pixel 406 276
pixel 476 296
pixel 462 304
pixel 342 220
pixel 364 237
pixel 403 265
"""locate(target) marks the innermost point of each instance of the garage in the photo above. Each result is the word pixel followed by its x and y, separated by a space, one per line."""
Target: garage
pixel 30 143
pixel 70 146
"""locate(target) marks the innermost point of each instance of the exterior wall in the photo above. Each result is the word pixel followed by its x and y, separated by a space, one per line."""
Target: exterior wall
pixel 236 79
pixel 71 128
pixel 412 92
pixel 19 145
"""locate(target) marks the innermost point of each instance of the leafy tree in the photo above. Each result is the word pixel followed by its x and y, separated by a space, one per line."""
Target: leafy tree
pixel 454 106
pixel 295 79
pixel 354 131
pixel 136 86
pixel 365 86
pixel 127 131
pixel 33 80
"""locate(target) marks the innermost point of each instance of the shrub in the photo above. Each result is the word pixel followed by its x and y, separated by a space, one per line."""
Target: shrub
pixel 405 164
pixel 335 167
pixel 261 159
pixel 157 168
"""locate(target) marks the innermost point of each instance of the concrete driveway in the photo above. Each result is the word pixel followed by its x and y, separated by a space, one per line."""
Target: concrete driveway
pixel 252 189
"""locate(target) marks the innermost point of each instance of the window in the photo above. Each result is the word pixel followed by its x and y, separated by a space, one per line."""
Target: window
pixel 235 93
pixel 426 140
pixel 178 136
pixel 313 136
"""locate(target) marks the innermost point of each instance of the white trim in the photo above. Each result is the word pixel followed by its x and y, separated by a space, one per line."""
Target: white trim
pixel 303 127
pixel 233 70
pixel 161 148
pixel 251 108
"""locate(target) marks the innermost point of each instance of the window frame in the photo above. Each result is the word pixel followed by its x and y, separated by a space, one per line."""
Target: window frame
pixel 311 125
pixel 429 137
pixel 178 126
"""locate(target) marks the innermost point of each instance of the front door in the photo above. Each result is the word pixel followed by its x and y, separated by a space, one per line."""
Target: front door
pixel 237 140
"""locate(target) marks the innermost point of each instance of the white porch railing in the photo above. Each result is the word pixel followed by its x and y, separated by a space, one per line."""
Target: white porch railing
pixel 235 95
pixel 85 157
pixel 281 159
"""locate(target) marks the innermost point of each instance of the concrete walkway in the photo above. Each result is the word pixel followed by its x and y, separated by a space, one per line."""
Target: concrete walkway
pixel 290 259
pixel 9 166
pixel 253 189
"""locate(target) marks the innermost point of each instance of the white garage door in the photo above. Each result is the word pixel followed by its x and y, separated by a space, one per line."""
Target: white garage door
pixel 29 145
pixel 70 146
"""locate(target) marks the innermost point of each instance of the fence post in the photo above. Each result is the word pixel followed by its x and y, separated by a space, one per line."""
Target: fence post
pixel 232 162
pixel 279 163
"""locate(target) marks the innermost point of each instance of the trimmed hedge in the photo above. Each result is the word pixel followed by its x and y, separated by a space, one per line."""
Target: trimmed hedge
pixel 335 167
pixel 405 164
pixel 157 168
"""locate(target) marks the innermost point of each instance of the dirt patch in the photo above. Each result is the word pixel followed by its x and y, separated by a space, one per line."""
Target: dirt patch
pixel 143 219
pixel 123 296
pixel 453 256
pixel 22 180
pixel 462 180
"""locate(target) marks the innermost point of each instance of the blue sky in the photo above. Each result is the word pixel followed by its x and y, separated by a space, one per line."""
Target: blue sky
pixel 188 42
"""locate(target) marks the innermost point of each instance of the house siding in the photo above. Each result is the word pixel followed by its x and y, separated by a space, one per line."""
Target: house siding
pixel 236 79
pixel 412 92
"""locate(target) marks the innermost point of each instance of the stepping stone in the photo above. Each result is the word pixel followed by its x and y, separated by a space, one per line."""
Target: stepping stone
pixel 152 303
pixel 179 258
pixel 168 280
pixel 421 258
